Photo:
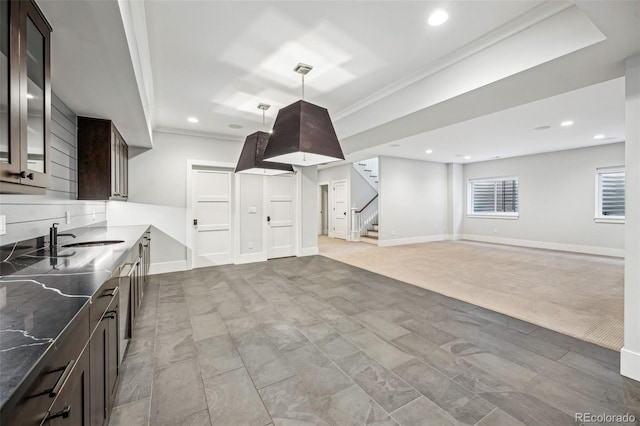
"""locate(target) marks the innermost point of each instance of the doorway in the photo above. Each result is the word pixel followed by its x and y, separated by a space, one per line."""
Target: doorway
pixel 339 218
pixel 212 216
pixel 323 203
pixel 280 193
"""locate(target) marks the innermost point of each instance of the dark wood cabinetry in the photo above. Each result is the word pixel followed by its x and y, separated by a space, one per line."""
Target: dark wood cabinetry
pixel 62 377
pixel 72 406
pixel 104 365
pixel 25 98
pixel 103 161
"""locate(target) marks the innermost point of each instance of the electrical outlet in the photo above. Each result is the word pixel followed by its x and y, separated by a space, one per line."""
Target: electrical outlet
pixel 3 224
pixel 67 216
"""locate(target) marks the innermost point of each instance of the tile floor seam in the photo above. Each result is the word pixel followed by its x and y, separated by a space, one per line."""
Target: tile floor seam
pixel 488 414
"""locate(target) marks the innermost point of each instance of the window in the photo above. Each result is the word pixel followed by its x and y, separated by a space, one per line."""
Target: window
pixel 610 194
pixel 493 197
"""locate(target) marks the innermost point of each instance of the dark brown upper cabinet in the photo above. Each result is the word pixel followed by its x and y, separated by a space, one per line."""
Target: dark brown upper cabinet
pixel 25 98
pixel 103 161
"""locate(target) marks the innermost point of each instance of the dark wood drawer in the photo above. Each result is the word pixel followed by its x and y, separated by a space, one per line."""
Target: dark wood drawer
pixel 57 368
pixel 102 299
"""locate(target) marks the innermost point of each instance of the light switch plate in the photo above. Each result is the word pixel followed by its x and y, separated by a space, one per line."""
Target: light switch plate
pixel 253 210
pixel 3 224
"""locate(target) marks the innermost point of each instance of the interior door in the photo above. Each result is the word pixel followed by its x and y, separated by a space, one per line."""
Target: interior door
pixel 212 218
pixel 339 209
pixel 280 191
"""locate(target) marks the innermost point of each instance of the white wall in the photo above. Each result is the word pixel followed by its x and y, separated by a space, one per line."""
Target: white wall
pixel 455 200
pixel 30 216
pixel 630 354
pixel 557 201
pixel 413 201
pixel 308 197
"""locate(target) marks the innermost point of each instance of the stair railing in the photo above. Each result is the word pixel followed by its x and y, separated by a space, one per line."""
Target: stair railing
pixel 363 219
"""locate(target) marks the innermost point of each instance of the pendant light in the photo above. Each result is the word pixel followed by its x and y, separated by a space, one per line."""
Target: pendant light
pixel 303 133
pixel 251 159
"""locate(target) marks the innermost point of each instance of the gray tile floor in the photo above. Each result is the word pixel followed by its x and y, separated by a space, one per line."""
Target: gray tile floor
pixel 315 341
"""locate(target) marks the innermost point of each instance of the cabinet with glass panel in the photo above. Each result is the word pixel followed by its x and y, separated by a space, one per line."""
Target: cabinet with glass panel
pixel 25 98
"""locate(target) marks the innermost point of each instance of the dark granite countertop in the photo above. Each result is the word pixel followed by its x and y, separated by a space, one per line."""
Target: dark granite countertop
pixel 41 291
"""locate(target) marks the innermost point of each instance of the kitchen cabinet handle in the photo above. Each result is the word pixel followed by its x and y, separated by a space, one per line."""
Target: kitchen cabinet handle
pixel 24 175
pixel 64 413
pixel 65 373
pixel 113 292
pixel 110 315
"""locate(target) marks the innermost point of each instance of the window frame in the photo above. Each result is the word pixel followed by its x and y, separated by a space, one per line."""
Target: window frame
pixel 598 216
pixel 491 215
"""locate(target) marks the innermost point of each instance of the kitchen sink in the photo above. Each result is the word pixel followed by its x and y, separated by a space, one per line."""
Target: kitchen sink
pixel 94 243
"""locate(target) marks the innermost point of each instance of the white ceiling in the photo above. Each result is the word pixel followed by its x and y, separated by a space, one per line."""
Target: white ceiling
pixel 383 73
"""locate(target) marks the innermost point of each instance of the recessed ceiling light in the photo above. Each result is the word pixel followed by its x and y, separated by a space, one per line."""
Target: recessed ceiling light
pixel 429 151
pixel 599 136
pixel 566 123
pixel 235 126
pixel 192 120
pixel 30 96
pixel 438 17
pixel 467 157
pixel 542 128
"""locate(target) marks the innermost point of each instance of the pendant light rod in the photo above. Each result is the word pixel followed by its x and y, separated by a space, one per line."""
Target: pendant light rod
pixel 263 107
pixel 303 69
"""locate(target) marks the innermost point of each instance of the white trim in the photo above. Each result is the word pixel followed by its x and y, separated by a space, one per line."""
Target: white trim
pixel 630 364
pixel 309 251
pixel 412 240
pixel 600 251
pixel 508 216
pixel 251 258
pixel 609 220
pixel 166 267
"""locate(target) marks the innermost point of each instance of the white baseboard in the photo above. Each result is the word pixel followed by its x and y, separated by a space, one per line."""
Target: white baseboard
pixel 576 248
pixel 309 251
pixel 411 240
pixel 630 364
pixel 454 237
pixel 251 258
pixel 166 267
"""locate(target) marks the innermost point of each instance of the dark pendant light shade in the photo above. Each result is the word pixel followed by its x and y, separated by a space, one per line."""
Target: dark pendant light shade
pixel 251 158
pixel 303 135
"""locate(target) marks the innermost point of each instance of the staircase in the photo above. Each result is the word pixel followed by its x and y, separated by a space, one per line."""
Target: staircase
pixel 370 235
pixel 364 222
pixel 368 169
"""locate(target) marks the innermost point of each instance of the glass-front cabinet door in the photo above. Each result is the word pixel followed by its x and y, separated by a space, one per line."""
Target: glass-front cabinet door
pixel 10 164
pixel 36 90
pixel 25 95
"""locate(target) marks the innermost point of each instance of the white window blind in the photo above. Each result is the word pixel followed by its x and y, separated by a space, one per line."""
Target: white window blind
pixel 611 193
pixel 497 196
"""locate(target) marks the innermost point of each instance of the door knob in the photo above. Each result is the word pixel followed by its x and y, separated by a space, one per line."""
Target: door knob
pixel 195 222
pixel 268 218
pixel 345 213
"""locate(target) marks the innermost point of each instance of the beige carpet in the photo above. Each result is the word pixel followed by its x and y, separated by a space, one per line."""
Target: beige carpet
pixel 575 294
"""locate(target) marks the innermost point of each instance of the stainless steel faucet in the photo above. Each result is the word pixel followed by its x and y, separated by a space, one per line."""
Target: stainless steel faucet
pixel 53 235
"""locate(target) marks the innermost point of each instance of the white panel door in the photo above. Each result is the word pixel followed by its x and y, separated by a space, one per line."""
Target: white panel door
pixel 212 213
pixel 339 209
pixel 280 191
